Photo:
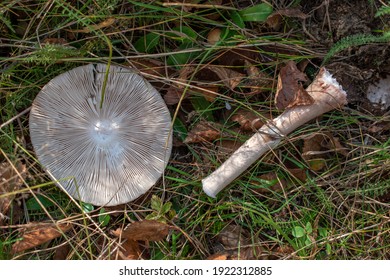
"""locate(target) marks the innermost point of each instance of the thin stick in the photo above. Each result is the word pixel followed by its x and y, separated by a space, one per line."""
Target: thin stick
pixel 14 118
pixel 327 95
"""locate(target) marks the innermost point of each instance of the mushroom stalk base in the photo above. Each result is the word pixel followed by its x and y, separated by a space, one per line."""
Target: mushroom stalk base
pixel 327 95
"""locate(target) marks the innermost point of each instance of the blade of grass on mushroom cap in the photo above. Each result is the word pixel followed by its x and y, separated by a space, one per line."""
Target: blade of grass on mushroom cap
pixel 90 25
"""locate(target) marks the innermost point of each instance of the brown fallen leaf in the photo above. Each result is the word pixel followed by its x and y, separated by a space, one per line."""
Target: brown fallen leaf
pixel 226 147
pixel 55 41
pixel 203 132
pixel 218 257
pixel 106 23
pixel 209 92
pixel 149 66
pixel 275 19
pixel 173 95
pixel 145 230
pixel 35 234
pixel 237 244
pixel 257 80
pixel 11 178
pixel 312 152
pixel 229 77
pixel 62 252
pixel 273 183
pixel 248 120
pixel 291 12
pixel 379 127
pixel 237 56
pixel 130 250
pixel 318 146
pixel 135 233
pixel 289 91
pixel 321 144
pixel 298 173
pixel 176 90
pixel 333 144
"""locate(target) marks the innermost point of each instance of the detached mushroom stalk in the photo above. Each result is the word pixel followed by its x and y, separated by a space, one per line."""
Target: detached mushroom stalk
pixel 327 95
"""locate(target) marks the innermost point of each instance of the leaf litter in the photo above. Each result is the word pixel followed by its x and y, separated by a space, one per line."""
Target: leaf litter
pixel 135 233
pixel 35 234
pixel 11 178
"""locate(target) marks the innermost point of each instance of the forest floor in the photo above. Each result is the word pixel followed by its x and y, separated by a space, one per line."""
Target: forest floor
pixel 323 193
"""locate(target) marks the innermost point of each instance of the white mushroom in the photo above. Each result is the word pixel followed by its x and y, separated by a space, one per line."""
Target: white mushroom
pixel 104 156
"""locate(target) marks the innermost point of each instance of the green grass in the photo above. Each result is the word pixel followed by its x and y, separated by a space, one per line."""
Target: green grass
pixel 342 202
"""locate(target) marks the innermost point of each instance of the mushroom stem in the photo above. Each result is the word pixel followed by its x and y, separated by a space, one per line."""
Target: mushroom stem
pixel 327 95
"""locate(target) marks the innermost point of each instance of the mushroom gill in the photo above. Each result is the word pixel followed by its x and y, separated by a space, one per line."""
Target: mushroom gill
pixel 103 156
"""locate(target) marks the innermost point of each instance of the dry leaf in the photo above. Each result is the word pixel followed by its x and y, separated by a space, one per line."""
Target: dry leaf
pixel 228 146
pixel 229 78
pixel 130 250
pixel 62 252
pixel 173 95
pixel 320 144
pixel 218 257
pixel 248 120
pixel 278 183
pixel 317 146
pixel 175 91
pixel 203 132
pixel 292 12
pixel 237 56
pixel 55 41
pixel 209 92
pixel 379 127
pixel 149 66
pixel 35 234
pixel 333 144
pixel 312 145
pixel 275 19
pixel 145 230
pixel 290 92
pixel 237 244
pixel 257 80
pixel 94 27
pixel 10 181
pixel 298 173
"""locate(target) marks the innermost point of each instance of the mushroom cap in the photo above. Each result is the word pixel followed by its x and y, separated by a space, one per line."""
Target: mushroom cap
pixel 103 156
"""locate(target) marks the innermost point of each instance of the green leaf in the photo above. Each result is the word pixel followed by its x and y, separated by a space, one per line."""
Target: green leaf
pixel 307 241
pixel 171 214
pixel 87 207
pixel 298 231
pixel 33 204
pixel 179 59
pixel 156 203
pixel 179 129
pixel 104 218
pixel 202 106
pixel 258 12
pixel 165 208
pixel 328 248
pixel 147 43
pixel 309 228
pixel 183 34
pixel 237 19
pixel 322 232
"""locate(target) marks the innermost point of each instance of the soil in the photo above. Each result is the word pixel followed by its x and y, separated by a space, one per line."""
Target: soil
pixel 357 67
